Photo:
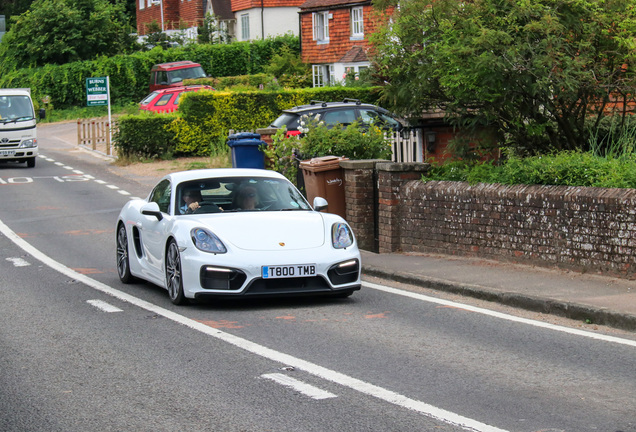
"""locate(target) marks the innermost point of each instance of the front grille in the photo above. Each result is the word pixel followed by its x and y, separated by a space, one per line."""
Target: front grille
pixel 284 285
pixel 10 144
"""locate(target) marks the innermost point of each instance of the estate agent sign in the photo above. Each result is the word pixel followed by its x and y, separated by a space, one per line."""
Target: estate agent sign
pixel 97 91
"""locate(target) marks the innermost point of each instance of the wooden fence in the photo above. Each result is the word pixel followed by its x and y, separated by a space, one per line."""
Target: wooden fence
pixel 95 134
pixel 406 145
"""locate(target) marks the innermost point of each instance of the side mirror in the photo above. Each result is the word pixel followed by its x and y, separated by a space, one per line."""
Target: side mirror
pixel 320 204
pixel 42 113
pixel 152 209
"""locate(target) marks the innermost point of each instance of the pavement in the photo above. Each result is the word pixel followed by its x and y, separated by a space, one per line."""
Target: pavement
pixel 590 298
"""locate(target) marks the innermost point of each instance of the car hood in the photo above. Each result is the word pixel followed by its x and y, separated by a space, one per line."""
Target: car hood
pixel 269 231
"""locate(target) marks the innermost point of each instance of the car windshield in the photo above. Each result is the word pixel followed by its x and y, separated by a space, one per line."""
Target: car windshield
pixel 149 98
pixel 286 119
pixel 239 194
pixel 380 119
pixel 15 108
pixel 179 75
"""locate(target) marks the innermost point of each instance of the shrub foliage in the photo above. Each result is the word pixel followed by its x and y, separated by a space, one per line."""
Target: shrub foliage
pixel 129 74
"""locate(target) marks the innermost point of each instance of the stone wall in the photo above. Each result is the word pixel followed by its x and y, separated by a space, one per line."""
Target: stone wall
pixel 584 229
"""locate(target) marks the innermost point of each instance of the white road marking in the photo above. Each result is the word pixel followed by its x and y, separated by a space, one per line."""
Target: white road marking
pixel 59 164
pixel 67 167
pixel 500 315
pixel 299 386
pixel 100 181
pixel 363 387
pixel 102 305
pixel 123 192
pixel 110 186
pixel 18 262
pixel 78 172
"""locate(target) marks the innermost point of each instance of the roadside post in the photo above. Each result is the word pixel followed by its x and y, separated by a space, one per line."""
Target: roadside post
pixel 98 94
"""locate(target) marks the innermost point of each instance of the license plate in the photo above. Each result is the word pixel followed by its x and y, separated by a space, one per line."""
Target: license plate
pixel 287 271
pixel 7 152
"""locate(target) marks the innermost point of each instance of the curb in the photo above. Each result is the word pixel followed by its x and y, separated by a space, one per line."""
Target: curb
pixel 564 309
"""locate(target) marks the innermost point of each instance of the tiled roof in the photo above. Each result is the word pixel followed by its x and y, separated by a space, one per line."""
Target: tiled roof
pixel 354 55
pixel 326 4
pixel 222 9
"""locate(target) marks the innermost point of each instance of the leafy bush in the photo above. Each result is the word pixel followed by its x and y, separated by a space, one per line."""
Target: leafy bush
pixel 145 136
pixel 209 116
pixel 65 84
pixel 353 142
pixel 567 168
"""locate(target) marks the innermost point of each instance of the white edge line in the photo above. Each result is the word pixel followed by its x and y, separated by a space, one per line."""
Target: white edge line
pixel 394 398
pixel 301 387
pixel 500 315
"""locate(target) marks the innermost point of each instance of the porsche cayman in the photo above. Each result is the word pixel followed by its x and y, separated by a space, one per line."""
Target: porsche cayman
pixel 275 244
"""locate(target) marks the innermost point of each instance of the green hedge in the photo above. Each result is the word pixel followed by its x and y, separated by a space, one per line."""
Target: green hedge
pixel 145 136
pixel 130 74
pixel 567 168
pixel 205 118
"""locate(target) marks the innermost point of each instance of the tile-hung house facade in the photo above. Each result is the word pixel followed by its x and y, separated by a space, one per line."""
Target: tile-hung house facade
pixel 183 15
pixel 334 37
pixel 260 19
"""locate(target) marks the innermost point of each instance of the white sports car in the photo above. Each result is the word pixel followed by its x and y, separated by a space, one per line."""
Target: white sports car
pixel 235 232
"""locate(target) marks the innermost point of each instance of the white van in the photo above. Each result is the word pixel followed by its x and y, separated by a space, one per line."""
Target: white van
pixel 18 136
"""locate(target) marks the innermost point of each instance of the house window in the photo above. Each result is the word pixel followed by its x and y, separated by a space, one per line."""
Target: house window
pixel 245 27
pixel 357 24
pixel 142 4
pixel 320 22
pixel 323 75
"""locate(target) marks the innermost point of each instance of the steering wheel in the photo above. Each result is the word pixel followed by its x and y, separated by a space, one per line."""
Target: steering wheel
pixel 207 208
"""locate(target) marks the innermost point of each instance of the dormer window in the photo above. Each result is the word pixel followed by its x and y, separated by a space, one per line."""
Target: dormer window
pixel 357 23
pixel 320 21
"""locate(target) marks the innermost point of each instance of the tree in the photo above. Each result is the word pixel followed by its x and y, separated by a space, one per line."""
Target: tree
pixel 213 31
pixel 535 73
pixel 62 31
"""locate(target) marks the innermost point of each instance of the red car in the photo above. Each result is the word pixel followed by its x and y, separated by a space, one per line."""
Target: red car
pixel 167 75
pixel 167 100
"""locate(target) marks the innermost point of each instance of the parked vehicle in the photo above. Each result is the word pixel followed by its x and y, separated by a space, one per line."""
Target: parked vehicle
pixel 167 100
pixel 18 134
pixel 338 113
pixel 235 233
pixel 166 75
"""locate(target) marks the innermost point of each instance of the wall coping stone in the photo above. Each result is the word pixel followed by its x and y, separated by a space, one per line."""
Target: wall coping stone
pixel 267 131
pixel 403 166
pixel 361 164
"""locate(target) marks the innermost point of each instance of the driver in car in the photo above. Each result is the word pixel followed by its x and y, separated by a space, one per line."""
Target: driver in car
pixel 191 198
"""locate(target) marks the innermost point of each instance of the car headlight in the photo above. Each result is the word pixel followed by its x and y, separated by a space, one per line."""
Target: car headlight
pixel 206 241
pixel 29 143
pixel 341 235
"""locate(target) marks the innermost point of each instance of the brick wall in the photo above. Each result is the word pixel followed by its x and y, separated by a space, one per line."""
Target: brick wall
pixel 175 14
pixel 584 229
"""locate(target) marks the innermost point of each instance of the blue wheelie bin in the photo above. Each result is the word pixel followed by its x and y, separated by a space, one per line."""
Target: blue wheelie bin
pixel 246 151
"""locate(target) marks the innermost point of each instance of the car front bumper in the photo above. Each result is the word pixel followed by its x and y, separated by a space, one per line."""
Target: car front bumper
pixel 223 275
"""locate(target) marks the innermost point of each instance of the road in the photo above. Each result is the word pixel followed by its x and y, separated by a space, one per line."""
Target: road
pixel 80 351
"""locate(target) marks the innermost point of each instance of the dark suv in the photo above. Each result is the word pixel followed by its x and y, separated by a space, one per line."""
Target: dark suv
pixel 334 113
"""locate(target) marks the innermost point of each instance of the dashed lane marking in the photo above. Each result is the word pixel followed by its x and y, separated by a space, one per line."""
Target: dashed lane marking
pixel 103 306
pixel 18 262
pixel 299 386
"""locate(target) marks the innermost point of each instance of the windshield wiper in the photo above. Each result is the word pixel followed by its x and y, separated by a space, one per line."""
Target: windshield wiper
pixel 17 119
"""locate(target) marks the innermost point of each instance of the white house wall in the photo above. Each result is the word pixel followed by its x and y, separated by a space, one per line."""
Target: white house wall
pixel 277 22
